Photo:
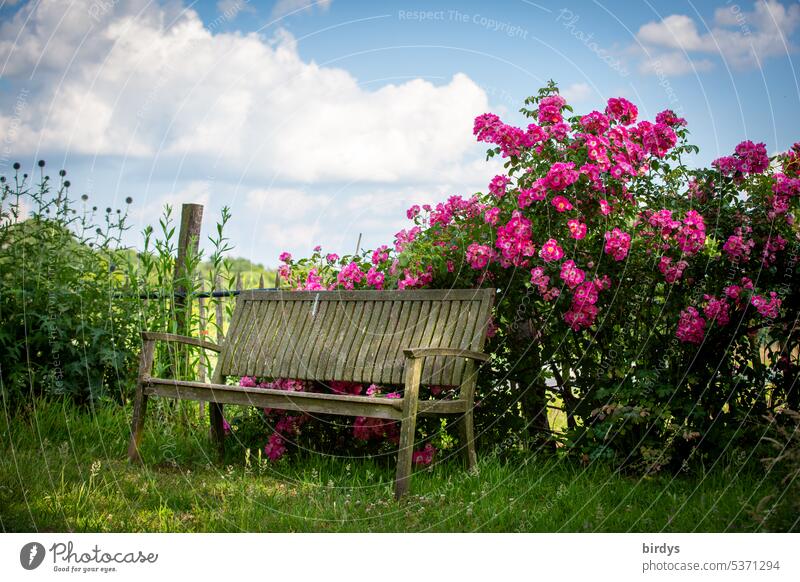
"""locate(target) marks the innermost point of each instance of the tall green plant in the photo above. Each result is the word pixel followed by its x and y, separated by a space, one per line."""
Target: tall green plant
pixel 62 328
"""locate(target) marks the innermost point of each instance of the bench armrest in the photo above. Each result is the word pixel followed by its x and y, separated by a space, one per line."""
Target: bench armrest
pixel 427 352
pixel 171 337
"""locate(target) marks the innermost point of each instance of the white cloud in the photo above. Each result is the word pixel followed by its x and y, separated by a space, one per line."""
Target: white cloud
pixel 675 31
pixel 743 39
pixel 286 203
pixel 674 63
pixel 576 92
pixel 146 81
pixel 195 192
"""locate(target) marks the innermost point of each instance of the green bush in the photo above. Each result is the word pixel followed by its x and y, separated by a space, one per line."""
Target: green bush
pixel 66 327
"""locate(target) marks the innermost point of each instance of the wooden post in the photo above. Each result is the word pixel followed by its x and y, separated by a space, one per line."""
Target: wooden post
pixel 188 245
pixel 405 452
pixel 201 313
pixel 215 410
pixel 140 403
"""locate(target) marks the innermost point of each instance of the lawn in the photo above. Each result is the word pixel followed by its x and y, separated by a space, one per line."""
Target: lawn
pixel 65 470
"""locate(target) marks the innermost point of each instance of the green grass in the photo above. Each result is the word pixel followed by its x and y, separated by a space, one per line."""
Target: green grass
pixel 64 470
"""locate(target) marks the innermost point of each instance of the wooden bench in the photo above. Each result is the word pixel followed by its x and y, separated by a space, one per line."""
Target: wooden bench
pixel 380 337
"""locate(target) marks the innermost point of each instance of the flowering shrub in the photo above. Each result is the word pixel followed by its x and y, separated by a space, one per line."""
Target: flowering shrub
pixel 285 429
pixel 652 301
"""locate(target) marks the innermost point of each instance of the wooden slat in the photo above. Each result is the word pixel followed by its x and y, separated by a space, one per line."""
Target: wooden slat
pixel 235 336
pixel 250 349
pixel 458 340
pixel 486 312
pixel 301 336
pixel 248 327
pixel 437 363
pixel 470 341
pixel 293 312
pixel 269 353
pixel 313 349
pixel 392 357
pixel 425 340
pixel 420 325
pixel 362 338
pixel 280 399
pixel 271 333
pixel 373 332
pixel 353 331
pixel 331 343
pixel 328 346
pixel 412 324
pixel 343 295
pixel 376 357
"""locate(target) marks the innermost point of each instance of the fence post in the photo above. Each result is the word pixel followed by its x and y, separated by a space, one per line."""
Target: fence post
pixel 201 314
pixel 188 245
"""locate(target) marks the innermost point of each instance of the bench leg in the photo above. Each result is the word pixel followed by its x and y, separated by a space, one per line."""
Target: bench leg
pixel 217 429
pixel 137 425
pixel 408 426
pixel 140 400
pixel 466 424
pixel 466 433
pixel 405 456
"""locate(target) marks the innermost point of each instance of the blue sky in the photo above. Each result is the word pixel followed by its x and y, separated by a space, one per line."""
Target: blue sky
pixel 318 121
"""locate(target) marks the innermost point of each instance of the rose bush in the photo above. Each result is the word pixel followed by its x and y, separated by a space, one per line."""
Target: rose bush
pixel 655 303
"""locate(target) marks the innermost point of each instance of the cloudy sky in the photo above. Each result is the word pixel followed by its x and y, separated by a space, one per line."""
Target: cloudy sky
pixel 317 121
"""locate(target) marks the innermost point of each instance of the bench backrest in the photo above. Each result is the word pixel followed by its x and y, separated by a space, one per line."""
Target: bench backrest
pixel 356 336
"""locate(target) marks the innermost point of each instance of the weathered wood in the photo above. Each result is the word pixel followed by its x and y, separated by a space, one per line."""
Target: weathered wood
pixel 382 337
pixel 171 337
pixel 466 424
pixel 352 329
pixel 398 341
pixel 140 401
pixel 317 359
pixel 231 339
pixel 424 352
pixel 329 358
pixel 477 295
pixel 379 349
pixel 188 245
pixel 338 404
pixel 271 334
pixel 372 333
pixel 202 325
pixel 217 428
pixel 407 427
pixel 313 344
pixel 458 338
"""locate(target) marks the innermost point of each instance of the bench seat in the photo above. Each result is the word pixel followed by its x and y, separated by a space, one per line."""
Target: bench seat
pixel 312 402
